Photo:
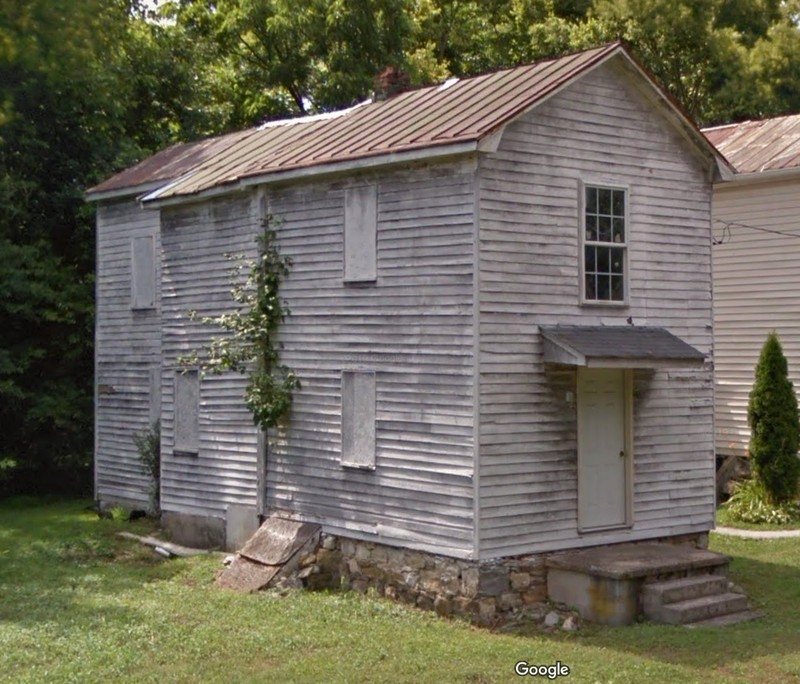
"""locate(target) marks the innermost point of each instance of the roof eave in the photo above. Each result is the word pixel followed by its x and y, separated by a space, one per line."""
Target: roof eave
pixel 120 193
pixel 754 177
pixel 437 152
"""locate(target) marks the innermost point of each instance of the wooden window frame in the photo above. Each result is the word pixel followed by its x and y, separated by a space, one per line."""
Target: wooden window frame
pixel 624 245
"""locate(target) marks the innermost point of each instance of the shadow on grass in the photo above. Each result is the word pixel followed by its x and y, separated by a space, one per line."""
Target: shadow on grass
pixel 61 564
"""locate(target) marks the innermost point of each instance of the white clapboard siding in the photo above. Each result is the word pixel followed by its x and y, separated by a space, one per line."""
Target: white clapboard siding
pixel 413 328
pixel 756 285
pixel 600 130
pixel 196 277
pixel 127 355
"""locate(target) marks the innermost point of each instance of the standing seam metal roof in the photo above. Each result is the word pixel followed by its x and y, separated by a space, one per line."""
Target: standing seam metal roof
pixel 460 112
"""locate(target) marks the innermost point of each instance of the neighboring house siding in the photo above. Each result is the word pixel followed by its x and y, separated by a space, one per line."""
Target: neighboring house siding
pixel 127 352
pixel 756 285
pixel 196 277
pixel 413 328
pixel 602 131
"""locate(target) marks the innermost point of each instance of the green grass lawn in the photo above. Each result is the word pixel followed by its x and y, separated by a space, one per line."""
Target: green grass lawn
pixel 79 605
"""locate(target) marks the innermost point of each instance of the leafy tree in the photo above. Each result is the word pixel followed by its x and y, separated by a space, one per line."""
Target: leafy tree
pixel 56 136
pixel 775 65
pixel 774 424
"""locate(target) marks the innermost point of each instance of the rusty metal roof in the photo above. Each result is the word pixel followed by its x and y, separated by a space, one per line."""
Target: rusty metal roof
pixel 450 118
pixel 757 146
pixel 166 165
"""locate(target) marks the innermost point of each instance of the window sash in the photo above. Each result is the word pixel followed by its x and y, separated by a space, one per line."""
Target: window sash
pixel 604 239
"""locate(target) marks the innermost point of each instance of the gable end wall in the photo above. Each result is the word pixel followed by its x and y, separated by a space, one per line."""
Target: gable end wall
pixel 600 130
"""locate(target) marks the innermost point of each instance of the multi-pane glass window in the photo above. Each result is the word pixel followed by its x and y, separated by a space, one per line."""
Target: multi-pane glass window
pixel 604 245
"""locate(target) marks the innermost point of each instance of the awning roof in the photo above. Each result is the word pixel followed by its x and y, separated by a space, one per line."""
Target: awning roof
pixel 617 347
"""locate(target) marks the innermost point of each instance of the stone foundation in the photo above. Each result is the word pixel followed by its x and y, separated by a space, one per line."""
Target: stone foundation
pixel 485 591
pixel 488 592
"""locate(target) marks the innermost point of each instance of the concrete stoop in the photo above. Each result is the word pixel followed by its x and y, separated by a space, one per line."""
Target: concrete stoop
pixel 700 601
pixel 665 583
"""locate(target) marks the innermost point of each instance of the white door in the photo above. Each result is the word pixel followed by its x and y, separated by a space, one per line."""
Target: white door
pixel 602 468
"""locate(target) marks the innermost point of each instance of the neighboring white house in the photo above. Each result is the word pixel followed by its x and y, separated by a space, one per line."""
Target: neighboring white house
pixel 501 317
pixel 756 264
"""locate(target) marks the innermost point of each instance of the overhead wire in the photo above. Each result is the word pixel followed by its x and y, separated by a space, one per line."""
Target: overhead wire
pixel 727 236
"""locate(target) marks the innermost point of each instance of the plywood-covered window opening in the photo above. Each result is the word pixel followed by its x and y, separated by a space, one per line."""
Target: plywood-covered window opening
pixel 358 419
pixel 360 234
pixel 605 230
pixel 143 272
pixel 187 410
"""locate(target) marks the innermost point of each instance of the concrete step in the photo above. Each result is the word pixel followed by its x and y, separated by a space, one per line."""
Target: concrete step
pixel 697 609
pixel 683 589
pixel 729 619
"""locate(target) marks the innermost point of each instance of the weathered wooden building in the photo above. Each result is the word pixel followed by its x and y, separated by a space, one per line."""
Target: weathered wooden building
pixel 755 264
pixel 500 314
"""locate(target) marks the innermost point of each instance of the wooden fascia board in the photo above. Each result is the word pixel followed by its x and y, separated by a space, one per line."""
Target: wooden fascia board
pixel 120 193
pixel 758 177
pixel 561 353
pixel 644 364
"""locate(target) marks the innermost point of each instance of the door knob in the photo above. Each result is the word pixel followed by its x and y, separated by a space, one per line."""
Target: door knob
pixel 622 454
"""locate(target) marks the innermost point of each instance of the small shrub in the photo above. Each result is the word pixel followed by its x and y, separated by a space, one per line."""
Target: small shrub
pixel 750 503
pixel 775 425
pixel 118 513
pixel 148 444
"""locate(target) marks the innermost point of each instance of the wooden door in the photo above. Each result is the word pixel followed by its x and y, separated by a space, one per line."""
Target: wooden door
pixel 602 448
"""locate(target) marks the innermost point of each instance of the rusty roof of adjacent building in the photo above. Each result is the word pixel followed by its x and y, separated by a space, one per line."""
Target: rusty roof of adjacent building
pixel 757 146
pixel 449 118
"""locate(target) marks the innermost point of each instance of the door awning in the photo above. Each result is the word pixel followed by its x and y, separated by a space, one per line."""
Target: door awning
pixel 619 346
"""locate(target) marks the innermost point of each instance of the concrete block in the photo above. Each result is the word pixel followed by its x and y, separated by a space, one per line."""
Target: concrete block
pixel 241 523
pixel 682 589
pixel 695 610
pixel 600 599
pixel 199 531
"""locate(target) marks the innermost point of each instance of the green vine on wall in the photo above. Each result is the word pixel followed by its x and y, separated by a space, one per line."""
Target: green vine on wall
pixel 249 345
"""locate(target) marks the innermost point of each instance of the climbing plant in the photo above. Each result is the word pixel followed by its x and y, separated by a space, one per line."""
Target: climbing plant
pixel 148 445
pixel 248 343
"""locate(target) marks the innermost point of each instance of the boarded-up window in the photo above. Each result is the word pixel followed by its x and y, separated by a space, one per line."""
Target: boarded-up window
pixel 187 402
pixel 358 419
pixel 143 273
pixel 360 234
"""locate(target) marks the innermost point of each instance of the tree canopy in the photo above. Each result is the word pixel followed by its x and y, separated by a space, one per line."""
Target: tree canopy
pixel 89 87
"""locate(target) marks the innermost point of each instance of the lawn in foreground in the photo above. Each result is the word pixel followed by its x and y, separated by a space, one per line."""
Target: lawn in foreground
pixel 79 605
